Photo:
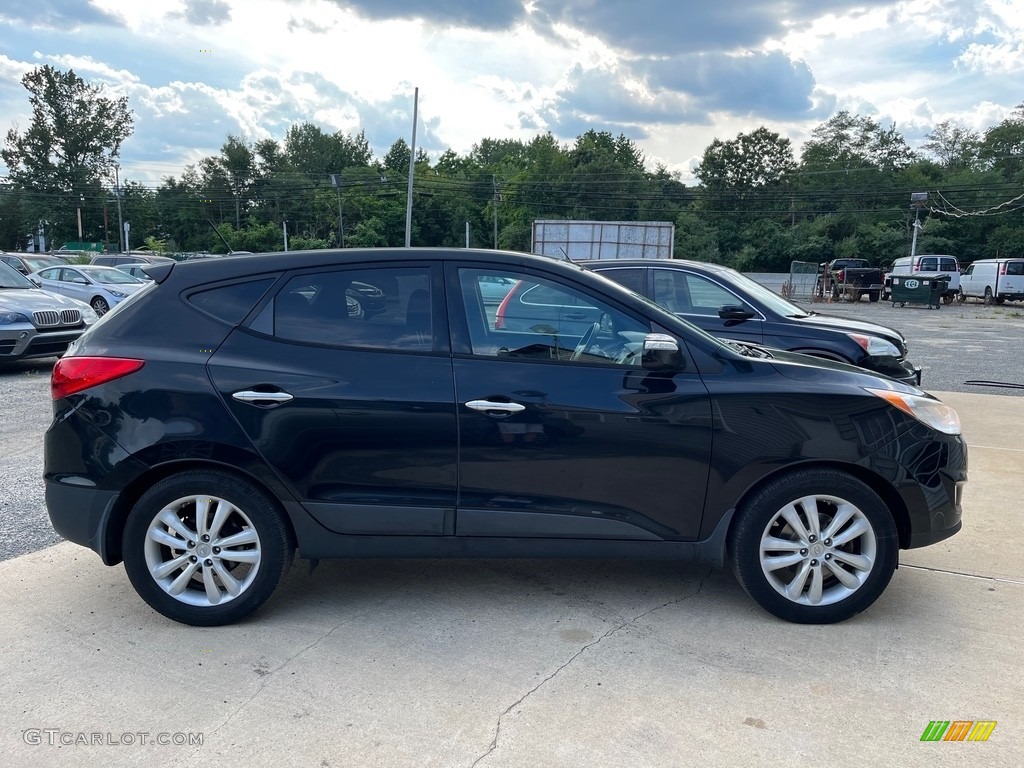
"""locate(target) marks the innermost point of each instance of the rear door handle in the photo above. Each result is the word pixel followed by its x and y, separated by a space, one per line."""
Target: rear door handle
pixel 264 399
pixel 491 406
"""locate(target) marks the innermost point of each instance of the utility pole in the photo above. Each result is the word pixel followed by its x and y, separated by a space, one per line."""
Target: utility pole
pixel 494 184
pixel 120 221
pixel 412 167
pixel 336 181
pixel 81 202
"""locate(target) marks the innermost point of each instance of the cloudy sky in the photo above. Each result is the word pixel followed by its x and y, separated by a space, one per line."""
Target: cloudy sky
pixel 670 74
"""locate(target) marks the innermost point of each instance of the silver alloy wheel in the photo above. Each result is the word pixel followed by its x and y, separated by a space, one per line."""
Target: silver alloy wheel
pixel 202 550
pixel 818 550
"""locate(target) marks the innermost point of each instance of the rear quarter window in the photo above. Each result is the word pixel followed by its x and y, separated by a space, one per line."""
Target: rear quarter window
pixel 231 303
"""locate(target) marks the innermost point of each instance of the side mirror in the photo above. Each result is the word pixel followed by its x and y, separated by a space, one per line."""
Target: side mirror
pixel 734 312
pixel 661 353
pixel 37 282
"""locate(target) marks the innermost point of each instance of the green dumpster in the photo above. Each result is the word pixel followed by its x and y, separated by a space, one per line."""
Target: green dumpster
pixel 919 288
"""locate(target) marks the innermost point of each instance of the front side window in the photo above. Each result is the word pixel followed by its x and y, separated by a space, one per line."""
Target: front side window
pixel 381 308
pixel 688 293
pixel 542 319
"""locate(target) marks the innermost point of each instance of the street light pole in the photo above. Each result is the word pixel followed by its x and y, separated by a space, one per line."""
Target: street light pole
pixel 81 202
pixel 917 199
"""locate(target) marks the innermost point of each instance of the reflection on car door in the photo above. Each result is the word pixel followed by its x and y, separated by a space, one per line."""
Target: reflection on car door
pixel 699 300
pixel 562 433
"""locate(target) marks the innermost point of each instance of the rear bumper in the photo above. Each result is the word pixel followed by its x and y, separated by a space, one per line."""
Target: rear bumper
pixel 81 514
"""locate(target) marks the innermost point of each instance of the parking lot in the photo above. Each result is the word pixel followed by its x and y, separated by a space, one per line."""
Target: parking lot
pixel 513 663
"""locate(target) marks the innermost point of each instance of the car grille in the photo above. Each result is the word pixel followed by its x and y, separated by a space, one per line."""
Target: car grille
pixel 51 317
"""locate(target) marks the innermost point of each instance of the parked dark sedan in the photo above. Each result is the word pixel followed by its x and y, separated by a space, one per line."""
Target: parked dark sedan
pixel 730 305
pixel 226 416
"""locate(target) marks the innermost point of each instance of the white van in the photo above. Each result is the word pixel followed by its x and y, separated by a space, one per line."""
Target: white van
pixel 908 265
pixel 993 280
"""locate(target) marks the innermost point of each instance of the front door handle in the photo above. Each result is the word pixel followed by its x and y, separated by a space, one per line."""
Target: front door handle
pixel 264 399
pixel 491 406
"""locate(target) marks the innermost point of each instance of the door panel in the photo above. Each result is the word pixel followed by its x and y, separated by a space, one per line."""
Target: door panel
pixel 591 447
pixel 362 448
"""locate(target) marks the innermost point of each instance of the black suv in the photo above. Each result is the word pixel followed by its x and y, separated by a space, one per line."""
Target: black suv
pixel 728 304
pixel 237 410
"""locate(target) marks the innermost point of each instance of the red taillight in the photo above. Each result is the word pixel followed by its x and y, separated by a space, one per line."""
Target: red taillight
pixel 1002 268
pixel 74 374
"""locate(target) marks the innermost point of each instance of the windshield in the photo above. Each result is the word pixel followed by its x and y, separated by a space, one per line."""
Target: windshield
pixel 773 301
pixel 111 275
pixel 12 278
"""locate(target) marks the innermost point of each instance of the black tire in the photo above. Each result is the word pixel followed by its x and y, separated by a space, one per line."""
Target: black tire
pixel 988 296
pixel 99 305
pixel 874 296
pixel 254 563
pixel 961 297
pixel 867 559
pixel 947 298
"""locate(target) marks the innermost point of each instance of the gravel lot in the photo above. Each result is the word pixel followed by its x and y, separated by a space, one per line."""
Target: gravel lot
pixel 954 345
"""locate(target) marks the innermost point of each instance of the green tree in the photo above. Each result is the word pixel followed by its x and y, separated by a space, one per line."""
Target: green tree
pixel 69 149
pixel 953 146
pixel 1002 149
pixel 751 161
pixel 850 142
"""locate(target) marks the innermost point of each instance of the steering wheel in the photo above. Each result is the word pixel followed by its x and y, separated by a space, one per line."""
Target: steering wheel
pixel 585 341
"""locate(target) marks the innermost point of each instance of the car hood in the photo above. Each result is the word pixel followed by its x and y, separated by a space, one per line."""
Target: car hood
pixel 33 299
pixel 836 323
pixel 818 371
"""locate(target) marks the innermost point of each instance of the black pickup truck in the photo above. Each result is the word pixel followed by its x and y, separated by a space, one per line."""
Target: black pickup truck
pixel 850 279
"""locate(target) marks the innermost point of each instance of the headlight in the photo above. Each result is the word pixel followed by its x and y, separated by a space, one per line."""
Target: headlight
pixel 874 346
pixel 934 413
pixel 10 318
pixel 88 315
pixel 119 294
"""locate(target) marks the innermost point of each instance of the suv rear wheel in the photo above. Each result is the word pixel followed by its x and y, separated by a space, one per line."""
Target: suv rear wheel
pixel 814 546
pixel 205 547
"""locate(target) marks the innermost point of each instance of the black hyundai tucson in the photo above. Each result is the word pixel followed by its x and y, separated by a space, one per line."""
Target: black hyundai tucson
pixel 235 412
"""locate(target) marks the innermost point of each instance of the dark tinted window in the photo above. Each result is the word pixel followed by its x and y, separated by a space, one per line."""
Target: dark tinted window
pixel 632 278
pixel 1015 267
pixel 385 308
pixel 231 303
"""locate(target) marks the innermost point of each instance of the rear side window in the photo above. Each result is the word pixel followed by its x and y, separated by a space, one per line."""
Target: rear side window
pixel 388 308
pixel 1015 267
pixel 231 303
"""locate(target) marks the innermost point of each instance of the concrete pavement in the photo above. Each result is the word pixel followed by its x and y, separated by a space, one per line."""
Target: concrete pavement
pixel 532 663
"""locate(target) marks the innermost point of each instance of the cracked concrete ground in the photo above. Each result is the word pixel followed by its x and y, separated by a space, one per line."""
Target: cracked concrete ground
pixel 532 663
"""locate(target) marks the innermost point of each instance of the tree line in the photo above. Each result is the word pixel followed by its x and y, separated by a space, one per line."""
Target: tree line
pixel 758 204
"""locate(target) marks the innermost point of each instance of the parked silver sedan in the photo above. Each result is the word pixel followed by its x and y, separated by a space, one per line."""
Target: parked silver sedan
pixel 36 323
pixel 100 287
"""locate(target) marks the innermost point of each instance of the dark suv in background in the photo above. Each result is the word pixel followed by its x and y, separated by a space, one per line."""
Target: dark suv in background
pixel 237 410
pixel 732 306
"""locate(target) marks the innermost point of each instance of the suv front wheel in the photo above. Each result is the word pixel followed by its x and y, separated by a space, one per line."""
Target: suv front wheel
pixel 205 547
pixel 814 547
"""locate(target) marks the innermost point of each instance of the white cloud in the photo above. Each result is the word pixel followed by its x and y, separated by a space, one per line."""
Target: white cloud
pixel 672 75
